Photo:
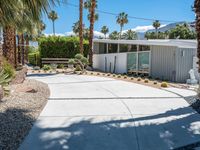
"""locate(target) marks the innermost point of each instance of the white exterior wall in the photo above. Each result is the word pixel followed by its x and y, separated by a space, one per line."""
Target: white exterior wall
pixel 121 62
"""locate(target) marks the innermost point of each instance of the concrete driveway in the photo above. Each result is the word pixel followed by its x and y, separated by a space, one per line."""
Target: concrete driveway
pixel 96 113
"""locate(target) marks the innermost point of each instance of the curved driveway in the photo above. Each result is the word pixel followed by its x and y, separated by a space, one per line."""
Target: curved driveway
pixel 96 113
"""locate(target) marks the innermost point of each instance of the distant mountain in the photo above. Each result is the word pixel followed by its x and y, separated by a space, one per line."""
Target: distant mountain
pixel 166 28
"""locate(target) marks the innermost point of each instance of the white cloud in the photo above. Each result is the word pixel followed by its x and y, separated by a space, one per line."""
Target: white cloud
pixel 144 28
pixel 98 34
pixel 71 33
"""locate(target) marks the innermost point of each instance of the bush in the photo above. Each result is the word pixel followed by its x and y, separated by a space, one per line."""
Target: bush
pixel 139 79
pixel 54 66
pixel 8 69
pixel 61 66
pixel 78 68
pixel 132 78
pixel 46 68
pixel 34 58
pixel 155 82
pixel 79 56
pixel 164 84
pixel 119 76
pixel 146 81
pixel 71 62
pixel 125 77
pixel 61 47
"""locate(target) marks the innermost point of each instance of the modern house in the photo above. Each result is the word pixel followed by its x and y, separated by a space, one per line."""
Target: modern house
pixel 164 59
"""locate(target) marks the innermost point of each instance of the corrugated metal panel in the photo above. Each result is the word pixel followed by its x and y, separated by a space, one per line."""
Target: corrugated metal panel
pixel 184 62
pixel 163 62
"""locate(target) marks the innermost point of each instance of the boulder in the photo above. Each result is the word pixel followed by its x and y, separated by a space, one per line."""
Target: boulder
pixel 20 76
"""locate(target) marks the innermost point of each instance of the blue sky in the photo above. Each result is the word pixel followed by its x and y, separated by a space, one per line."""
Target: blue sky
pixel 173 10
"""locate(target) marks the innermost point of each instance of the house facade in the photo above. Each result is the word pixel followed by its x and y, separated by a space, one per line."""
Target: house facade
pixel 163 59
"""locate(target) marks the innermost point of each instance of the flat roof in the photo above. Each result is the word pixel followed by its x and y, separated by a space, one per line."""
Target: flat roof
pixel 174 43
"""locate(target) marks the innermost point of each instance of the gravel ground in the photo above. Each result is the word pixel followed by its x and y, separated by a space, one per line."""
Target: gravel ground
pixel 19 111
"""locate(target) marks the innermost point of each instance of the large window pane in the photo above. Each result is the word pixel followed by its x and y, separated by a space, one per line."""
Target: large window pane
pixel 112 48
pixel 143 62
pixel 127 48
pixel 102 48
pixel 132 62
pixel 144 48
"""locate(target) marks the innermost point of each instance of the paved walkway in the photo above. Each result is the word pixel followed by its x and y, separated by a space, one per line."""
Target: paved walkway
pixel 95 113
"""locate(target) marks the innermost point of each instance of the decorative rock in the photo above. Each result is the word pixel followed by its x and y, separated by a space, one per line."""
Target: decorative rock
pixel 26 90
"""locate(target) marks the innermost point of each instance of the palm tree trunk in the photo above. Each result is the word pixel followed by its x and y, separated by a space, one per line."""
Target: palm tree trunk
pixel 81 25
pixel 92 18
pixel 197 11
pixel 22 47
pixel 53 28
pixel 9 46
pixel 120 36
pixel 18 49
pixel 27 48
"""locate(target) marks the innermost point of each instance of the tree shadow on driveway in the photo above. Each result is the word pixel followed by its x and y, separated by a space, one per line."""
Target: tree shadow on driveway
pixel 175 129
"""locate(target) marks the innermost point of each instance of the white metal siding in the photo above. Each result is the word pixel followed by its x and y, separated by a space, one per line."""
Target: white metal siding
pixel 184 62
pixel 163 62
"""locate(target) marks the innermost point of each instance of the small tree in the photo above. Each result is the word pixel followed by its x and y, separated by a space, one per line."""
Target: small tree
pixel 104 30
pixel 122 19
pixel 156 25
pixel 53 16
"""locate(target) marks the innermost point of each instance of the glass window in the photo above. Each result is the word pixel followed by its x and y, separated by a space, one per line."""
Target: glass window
pixel 132 48
pixel 143 62
pixel 112 48
pixel 127 48
pixel 102 48
pixel 132 62
pixel 144 48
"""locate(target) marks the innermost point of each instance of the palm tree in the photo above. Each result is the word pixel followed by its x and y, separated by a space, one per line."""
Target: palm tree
pixel 76 28
pixel 114 35
pixel 122 19
pixel 53 16
pixel 197 11
pixel 104 30
pixel 11 17
pixel 91 7
pixel 156 25
pixel 81 25
pixel 130 35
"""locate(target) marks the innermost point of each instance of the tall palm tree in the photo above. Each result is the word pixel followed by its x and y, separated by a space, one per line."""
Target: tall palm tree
pixel 104 30
pixel 92 20
pixel 81 25
pixel 11 18
pixel 197 11
pixel 156 25
pixel 76 28
pixel 53 16
pixel 130 35
pixel 122 19
pixel 114 35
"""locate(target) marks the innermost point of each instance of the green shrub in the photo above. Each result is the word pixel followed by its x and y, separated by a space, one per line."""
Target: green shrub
pixel 79 56
pixel 34 58
pixel 8 69
pixel 119 76
pixel 46 68
pixel 78 68
pixel 125 77
pixel 164 84
pixel 61 47
pixel 132 78
pixel 61 66
pixel 155 82
pixel 71 62
pixel 54 66
pixel 146 81
pixel 139 79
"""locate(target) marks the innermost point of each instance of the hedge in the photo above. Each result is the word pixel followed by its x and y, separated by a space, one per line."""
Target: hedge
pixel 61 47
pixel 34 58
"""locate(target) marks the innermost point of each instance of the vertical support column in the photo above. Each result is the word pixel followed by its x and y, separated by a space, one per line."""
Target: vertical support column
pixel 118 48
pixel 106 48
pixel 137 60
